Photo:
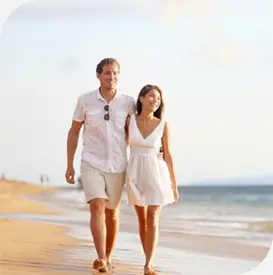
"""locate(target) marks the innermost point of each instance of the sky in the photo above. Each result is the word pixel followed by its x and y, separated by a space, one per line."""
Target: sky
pixel 213 60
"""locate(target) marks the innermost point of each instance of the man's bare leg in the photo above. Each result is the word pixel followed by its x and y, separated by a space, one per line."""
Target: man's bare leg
pixel 112 227
pixel 97 226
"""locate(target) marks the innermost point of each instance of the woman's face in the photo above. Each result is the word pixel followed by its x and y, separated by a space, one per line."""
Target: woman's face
pixel 151 101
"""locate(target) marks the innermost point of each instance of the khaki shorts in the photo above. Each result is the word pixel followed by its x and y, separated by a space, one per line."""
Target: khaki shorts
pixel 101 185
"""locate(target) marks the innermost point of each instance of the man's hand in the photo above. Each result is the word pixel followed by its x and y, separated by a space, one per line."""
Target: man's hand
pixel 69 175
pixel 160 155
pixel 72 141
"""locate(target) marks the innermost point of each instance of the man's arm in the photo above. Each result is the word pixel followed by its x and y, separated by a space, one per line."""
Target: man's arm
pixel 72 142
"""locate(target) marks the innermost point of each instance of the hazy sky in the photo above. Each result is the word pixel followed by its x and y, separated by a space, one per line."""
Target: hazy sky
pixel 213 59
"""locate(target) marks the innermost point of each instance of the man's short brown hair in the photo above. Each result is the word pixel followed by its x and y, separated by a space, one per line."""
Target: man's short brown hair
pixel 106 61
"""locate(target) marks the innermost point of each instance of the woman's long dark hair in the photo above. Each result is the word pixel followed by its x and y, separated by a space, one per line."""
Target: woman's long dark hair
pixel 159 112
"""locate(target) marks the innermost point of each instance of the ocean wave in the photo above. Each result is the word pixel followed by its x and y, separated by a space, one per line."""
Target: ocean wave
pixel 261 227
pixel 234 225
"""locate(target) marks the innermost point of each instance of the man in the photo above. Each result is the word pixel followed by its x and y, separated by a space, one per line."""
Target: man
pixel 103 113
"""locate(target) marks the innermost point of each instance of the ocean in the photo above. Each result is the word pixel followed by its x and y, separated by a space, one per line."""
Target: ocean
pixel 241 212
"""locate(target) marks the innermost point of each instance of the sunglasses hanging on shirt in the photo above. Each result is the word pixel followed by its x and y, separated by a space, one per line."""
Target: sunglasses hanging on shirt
pixel 106 116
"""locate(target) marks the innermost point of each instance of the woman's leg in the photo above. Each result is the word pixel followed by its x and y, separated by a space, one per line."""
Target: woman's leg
pixel 153 213
pixel 142 224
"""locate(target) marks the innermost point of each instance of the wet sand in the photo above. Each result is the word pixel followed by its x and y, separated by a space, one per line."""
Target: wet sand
pixel 31 247
pixel 212 245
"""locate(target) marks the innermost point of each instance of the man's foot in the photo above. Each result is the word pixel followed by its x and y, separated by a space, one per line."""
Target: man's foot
pixel 100 265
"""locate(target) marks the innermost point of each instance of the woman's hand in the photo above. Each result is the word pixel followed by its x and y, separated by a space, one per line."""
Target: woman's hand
pixel 175 194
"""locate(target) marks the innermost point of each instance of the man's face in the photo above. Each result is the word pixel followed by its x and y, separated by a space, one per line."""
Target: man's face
pixel 109 76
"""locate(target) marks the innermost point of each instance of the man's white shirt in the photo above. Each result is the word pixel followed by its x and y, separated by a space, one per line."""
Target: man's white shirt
pixel 104 144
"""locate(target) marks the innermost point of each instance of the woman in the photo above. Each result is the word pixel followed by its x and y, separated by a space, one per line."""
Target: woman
pixel 150 181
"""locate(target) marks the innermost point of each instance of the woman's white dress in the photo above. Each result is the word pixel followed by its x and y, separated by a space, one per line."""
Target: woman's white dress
pixel 147 177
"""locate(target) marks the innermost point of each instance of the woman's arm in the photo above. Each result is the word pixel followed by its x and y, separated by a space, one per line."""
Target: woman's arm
pixel 168 157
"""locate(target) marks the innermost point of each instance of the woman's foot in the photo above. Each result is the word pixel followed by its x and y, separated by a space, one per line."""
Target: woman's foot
pixel 149 270
pixel 100 265
pixel 110 266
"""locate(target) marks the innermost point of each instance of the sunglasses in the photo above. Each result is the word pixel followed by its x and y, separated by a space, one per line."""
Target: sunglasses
pixel 106 116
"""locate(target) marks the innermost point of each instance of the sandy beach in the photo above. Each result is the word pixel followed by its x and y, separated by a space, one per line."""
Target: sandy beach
pixel 39 239
pixel 28 247
pixel 13 198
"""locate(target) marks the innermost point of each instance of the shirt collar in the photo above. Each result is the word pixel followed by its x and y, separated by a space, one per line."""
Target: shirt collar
pixel 99 96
